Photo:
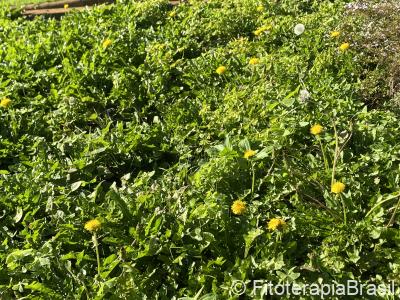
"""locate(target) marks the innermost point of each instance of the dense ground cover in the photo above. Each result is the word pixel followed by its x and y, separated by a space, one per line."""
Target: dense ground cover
pixel 154 121
pixel 22 2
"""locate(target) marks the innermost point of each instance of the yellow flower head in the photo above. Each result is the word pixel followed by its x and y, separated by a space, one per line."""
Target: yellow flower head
pixel 338 187
pixel 249 153
pixel 66 6
pixel 93 116
pixel 220 70
pixel 344 46
pixel 316 129
pixel 254 61
pixel 106 43
pixel 276 224
pixel 93 225
pixel 262 29
pixel 172 14
pixel 238 207
pixel 260 8
pixel 335 34
pixel 5 102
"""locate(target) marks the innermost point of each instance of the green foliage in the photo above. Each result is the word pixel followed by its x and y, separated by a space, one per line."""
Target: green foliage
pixel 21 2
pixel 144 136
pixel 373 27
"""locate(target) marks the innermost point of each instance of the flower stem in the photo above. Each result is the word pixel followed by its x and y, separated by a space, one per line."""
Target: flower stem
pixel 96 246
pixel 344 210
pixel 253 178
pixel 336 155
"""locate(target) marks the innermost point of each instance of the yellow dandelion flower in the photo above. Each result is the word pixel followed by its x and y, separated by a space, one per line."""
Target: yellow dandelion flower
pixel 249 153
pixel 338 187
pixel 66 6
pixel 335 34
pixel 254 61
pixel 172 14
pixel 5 102
pixel 344 46
pixel 316 129
pixel 260 8
pixel 238 207
pixel 93 116
pixel 93 225
pixel 262 29
pixel 221 70
pixel 107 43
pixel 276 224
